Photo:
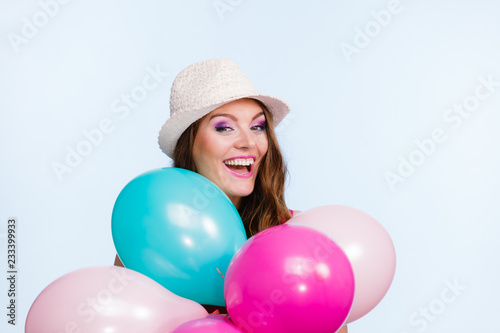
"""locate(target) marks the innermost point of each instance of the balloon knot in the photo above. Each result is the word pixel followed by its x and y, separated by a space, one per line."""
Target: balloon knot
pixel 220 273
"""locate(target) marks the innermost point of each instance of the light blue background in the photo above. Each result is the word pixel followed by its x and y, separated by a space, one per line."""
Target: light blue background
pixel 352 118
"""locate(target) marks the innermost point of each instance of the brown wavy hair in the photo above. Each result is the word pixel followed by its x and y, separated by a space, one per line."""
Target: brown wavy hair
pixel 265 206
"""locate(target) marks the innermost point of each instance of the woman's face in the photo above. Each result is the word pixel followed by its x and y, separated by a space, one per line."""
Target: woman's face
pixel 229 147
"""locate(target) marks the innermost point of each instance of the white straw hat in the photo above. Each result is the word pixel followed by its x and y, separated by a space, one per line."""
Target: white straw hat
pixel 204 86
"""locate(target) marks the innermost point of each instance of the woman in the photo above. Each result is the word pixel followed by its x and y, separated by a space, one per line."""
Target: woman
pixel 223 129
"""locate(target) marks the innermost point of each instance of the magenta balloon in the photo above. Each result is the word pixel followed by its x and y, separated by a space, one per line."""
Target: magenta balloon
pixel 367 245
pixel 289 279
pixel 211 324
pixel 105 299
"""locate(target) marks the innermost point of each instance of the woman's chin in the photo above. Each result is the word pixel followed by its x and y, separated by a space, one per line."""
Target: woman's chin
pixel 236 194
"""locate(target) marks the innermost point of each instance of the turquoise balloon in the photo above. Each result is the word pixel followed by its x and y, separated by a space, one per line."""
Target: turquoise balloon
pixel 177 227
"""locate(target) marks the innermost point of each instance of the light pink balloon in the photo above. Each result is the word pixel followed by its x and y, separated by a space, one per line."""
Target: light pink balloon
pixel 105 299
pixel 367 245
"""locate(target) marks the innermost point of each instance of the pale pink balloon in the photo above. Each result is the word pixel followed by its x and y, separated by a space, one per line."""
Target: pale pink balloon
pixel 106 299
pixel 367 245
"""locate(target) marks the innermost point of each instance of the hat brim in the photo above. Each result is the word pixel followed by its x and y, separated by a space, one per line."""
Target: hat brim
pixel 177 124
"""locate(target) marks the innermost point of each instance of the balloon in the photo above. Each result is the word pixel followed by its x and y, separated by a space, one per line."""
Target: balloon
pixel 105 299
pixel 289 279
pixel 211 324
pixel 178 228
pixel 220 317
pixel 367 245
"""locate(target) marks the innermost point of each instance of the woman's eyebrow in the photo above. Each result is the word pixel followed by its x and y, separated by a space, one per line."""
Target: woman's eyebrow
pixel 230 116
pixel 258 115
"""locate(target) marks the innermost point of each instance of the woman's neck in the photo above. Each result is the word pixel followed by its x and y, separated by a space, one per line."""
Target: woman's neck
pixel 236 201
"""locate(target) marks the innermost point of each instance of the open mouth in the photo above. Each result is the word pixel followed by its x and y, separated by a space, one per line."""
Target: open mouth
pixel 240 166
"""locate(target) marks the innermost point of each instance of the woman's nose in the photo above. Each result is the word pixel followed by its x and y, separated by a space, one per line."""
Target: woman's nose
pixel 245 140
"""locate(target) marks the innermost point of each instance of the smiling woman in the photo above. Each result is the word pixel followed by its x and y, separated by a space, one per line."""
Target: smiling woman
pixel 218 145
pixel 230 145
pixel 223 129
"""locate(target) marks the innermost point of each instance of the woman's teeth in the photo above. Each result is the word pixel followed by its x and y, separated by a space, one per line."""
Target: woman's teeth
pixel 240 161
pixel 241 165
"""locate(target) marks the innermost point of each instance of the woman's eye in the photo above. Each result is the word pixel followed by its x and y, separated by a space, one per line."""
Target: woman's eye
pixel 223 129
pixel 259 128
